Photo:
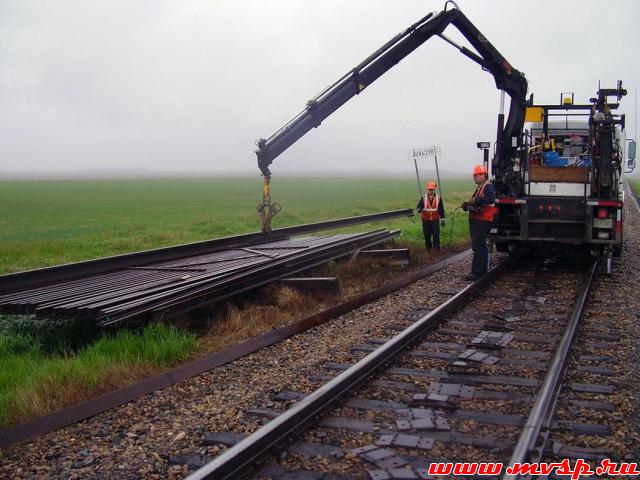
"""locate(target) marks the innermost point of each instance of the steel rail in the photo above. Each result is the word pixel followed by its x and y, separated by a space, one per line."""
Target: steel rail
pixel 241 459
pixel 174 308
pixel 125 293
pixel 42 276
pixel 203 293
pixel 94 295
pixel 543 408
pixel 224 277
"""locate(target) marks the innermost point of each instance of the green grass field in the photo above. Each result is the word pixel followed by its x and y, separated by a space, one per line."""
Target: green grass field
pixel 46 223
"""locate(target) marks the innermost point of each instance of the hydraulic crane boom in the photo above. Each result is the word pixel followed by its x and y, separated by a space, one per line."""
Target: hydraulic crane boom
pixel 382 60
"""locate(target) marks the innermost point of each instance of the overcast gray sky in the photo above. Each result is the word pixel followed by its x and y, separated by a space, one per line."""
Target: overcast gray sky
pixel 190 85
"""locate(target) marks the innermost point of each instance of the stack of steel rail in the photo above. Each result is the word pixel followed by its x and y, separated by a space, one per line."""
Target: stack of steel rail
pixel 169 287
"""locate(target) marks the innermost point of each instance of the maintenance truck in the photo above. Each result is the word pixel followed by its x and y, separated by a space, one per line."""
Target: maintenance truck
pixel 567 184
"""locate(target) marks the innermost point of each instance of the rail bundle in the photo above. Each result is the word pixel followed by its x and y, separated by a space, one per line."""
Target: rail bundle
pixel 170 287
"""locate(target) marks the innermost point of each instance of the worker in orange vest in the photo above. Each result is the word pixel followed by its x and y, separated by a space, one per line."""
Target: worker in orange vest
pixel 481 208
pixel 431 211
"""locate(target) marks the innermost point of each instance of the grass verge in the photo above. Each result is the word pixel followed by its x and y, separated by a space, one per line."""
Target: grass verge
pixel 42 371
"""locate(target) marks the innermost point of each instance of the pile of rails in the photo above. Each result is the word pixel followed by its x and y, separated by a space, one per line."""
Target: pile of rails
pixel 164 288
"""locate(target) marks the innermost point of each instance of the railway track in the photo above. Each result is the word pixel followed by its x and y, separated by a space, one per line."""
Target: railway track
pixel 477 379
pixel 185 426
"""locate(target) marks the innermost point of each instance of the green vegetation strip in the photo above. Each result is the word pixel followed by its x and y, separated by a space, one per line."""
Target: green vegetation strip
pixel 45 223
pixel 42 370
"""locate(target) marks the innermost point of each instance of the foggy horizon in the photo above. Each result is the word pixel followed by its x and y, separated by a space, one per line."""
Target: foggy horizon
pixel 189 87
pixel 144 174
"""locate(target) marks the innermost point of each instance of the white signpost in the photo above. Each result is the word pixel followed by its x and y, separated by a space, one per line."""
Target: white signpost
pixel 426 152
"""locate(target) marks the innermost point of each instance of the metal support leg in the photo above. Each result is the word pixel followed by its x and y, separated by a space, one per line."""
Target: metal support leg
pixel 609 252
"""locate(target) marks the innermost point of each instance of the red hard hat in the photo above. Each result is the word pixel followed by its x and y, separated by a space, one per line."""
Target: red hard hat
pixel 431 185
pixel 478 169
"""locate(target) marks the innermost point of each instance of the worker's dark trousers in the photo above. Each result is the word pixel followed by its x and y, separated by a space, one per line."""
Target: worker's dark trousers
pixel 479 230
pixel 431 228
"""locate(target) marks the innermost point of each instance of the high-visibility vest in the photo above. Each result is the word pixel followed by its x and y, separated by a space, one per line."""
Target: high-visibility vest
pixel 486 212
pixel 430 210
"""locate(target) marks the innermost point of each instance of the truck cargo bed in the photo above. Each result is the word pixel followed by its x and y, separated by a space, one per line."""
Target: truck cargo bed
pixel 542 173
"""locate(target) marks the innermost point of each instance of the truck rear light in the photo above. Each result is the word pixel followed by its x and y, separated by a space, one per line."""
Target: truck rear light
pixel 603 213
pixel 542 207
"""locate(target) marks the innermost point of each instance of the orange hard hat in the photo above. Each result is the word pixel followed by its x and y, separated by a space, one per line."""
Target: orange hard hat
pixel 478 169
pixel 431 185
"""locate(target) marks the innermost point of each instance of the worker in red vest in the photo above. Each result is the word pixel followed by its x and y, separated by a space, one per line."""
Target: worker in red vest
pixel 481 208
pixel 431 211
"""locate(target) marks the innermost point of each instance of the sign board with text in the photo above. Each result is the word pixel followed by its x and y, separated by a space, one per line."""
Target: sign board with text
pixel 425 152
